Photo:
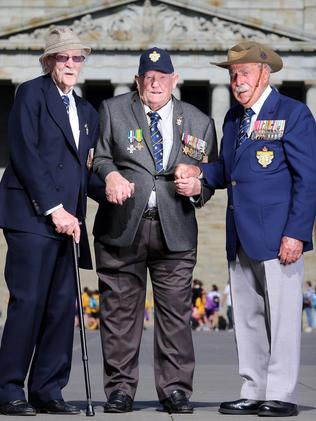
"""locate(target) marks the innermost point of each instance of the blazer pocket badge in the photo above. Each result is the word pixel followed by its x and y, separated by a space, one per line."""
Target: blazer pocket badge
pixel 268 130
pixel 194 147
pixel 90 158
pixel 135 139
pixel 265 157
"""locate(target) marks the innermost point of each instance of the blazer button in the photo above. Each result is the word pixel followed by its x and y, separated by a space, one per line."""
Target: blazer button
pixel 231 207
pixel 234 183
pixel 60 166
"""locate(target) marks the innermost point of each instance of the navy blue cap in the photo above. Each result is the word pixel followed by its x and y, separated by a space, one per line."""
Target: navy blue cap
pixel 155 59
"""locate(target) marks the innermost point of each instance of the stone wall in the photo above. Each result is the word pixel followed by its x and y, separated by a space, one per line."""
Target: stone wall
pixel 293 14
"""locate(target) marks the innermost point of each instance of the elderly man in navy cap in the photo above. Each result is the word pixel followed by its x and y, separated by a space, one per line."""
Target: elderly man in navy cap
pixel 146 225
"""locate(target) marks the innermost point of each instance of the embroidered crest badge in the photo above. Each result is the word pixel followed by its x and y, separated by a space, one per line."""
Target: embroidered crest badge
pixel 265 157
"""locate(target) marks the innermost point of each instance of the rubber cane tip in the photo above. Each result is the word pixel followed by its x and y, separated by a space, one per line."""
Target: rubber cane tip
pixel 90 411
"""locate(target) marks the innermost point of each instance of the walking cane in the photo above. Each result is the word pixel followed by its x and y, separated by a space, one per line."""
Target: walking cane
pixel 89 408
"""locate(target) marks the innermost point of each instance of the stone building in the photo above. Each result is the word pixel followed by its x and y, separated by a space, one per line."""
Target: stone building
pixel 196 32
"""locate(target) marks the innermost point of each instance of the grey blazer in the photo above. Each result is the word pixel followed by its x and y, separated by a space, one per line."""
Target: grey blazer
pixel 120 117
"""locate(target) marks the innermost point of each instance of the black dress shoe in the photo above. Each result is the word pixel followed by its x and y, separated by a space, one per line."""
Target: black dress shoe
pixel 119 401
pixel 240 407
pixel 177 403
pixel 18 407
pixel 277 409
pixel 56 406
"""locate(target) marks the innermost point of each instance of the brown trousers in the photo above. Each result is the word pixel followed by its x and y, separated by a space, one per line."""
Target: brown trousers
pixel 122 275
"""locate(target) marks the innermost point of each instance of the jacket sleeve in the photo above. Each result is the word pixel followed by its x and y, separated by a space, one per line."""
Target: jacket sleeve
pixel 300 149
pixel 103 162
pixel 212 155
pixel 25 157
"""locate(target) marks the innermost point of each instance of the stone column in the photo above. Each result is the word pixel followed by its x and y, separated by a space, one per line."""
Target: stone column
pixel 177 93
pixel 220 105
pixel 78 89
pixel 121 89
pixel 311 98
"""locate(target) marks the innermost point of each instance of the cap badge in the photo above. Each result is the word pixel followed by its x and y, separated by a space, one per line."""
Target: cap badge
pixel 263 55
pixel 154 56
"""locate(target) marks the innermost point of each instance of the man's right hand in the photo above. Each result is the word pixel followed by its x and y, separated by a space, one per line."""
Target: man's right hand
pixel 117 188
pixel 186 171
pixel 66 223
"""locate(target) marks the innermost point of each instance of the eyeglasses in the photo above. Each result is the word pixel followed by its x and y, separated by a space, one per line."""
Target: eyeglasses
pixel 62 58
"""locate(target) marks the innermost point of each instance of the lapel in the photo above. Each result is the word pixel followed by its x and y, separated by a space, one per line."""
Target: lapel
pixel 83 145
pixel 58 112
pixel 177 132
pixel 140 116
pixel 266 113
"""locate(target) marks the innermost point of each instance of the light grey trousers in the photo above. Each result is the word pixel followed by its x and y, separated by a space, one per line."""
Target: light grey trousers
pixel 267 308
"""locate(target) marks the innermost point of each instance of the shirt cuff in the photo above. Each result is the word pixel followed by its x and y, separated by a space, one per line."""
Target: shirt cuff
pixel 50 211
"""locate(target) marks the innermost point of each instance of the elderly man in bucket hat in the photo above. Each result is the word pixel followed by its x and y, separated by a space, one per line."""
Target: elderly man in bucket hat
pixel 144 135
pixel 52 133
pixel 267 164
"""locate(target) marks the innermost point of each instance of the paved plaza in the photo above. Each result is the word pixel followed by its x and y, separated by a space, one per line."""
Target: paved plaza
pixel 216 379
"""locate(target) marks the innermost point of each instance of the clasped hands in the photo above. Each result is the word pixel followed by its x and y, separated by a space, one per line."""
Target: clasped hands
pixel 117 188
pixel 186 180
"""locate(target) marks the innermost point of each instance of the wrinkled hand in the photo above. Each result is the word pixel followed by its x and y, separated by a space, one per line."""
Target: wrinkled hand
pixel 188 186
pixel 66 223
pixel 186 171
pixel 290 250
pixel 117 188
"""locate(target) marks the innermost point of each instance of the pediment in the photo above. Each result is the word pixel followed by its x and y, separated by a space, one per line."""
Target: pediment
pixel 175 25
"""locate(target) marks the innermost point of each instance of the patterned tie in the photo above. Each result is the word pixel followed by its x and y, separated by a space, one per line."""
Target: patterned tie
pixel 244 125
pixel 65 99
pixel 156 140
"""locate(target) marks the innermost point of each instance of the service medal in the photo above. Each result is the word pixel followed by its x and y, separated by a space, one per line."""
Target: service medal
pixel 265 157
pixel 179 120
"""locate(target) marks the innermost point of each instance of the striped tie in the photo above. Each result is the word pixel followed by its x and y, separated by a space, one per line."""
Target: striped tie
pixel 156 140
pixel 65 99
pixel 244 125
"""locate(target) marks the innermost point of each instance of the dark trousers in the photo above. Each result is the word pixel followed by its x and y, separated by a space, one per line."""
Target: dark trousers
pixel 38 333
pixel 122 281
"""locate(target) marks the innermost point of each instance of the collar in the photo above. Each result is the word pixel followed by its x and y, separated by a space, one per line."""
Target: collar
pixel 163 111
pixel 258 105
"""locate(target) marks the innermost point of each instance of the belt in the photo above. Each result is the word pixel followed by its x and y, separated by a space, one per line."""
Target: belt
pixel 151 213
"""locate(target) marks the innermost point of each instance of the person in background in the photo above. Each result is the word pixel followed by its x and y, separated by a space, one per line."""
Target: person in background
pixel 226 300
pixel 43 193
pixel 212 305
pixel 146 225
pixel 267 164
pixel 308 293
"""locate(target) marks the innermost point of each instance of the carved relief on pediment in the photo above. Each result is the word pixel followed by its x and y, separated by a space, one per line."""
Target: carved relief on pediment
pixel 136 25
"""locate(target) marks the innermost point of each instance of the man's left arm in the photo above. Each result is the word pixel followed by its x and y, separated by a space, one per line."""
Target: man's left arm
pixel 96 186
pixel 300 150
pixel 193 184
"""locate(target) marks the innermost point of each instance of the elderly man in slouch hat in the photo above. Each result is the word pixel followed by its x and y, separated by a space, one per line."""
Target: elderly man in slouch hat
pixel 267 164
pixel 52 133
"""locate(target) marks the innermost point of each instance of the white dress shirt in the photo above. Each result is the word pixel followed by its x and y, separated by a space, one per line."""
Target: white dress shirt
pixel 165 126
pixel 257 107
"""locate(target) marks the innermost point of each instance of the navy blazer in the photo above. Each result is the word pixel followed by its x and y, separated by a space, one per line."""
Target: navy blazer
pixel 267 200
pixel 45 167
